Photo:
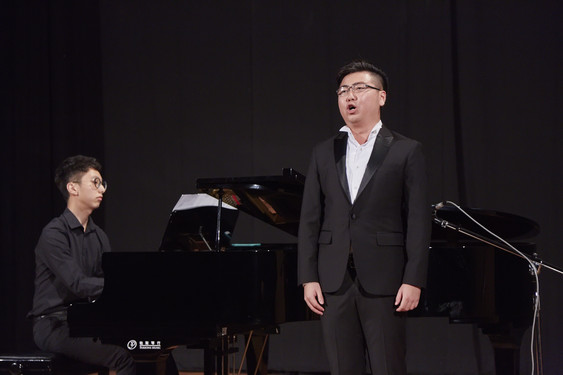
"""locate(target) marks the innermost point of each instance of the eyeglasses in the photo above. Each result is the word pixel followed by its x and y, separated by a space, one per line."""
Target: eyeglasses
pixel 98 182
pixel 356 88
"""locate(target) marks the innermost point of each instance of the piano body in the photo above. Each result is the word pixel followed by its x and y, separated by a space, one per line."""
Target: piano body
pixel 154 301
pixel 169 298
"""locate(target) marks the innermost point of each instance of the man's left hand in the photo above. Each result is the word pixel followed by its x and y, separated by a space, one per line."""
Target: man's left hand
pixel 407 297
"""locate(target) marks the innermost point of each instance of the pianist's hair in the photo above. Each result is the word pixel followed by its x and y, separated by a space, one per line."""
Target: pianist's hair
pixel 362 66
pixel 72 169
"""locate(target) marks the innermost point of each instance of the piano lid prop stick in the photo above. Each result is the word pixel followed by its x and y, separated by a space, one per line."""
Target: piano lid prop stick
pixel 218 232
pixel 203 238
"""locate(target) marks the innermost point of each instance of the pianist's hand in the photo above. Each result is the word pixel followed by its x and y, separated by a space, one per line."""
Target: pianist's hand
pixel 408 297
pixel 314 297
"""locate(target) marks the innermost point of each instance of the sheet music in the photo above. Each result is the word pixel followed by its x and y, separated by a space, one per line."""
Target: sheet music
pixel 189 201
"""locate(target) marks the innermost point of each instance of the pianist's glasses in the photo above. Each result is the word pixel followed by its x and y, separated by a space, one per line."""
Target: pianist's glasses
pixel 97 183
pixel 355 88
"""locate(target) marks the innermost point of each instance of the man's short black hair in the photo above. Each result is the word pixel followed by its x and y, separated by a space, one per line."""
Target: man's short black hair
pixel 72 169
pixel 362 66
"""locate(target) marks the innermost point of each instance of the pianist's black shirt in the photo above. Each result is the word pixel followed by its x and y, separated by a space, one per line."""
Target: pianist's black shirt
pixel 68 264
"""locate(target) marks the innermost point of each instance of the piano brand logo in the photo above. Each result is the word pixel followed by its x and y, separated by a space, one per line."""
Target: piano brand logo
pixel 149 345
pixel 132 345
pixel 146 344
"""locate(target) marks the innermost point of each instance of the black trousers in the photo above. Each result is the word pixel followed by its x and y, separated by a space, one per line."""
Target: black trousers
pixel 354 322
pixel 51 333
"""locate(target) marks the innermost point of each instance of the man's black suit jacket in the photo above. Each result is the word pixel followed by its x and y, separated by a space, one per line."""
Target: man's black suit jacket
pixel 387 227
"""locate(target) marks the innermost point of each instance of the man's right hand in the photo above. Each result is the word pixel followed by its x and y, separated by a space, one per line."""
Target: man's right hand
pixel 314 297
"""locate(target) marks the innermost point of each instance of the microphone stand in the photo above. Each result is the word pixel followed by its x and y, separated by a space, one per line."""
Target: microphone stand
pixel 534 259
pixel 535 265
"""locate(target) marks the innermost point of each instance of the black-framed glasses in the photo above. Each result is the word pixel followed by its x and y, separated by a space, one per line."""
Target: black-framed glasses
pixel 99 182
pixel 356 88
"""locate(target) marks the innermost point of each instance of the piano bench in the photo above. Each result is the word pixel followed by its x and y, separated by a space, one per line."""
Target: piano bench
pixel 43 363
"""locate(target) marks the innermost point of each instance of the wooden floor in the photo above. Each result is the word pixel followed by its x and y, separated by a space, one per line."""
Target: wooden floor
pixel 179 373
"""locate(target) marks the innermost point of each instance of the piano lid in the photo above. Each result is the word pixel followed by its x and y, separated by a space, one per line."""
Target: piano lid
pixel 275 200
pixel 510 227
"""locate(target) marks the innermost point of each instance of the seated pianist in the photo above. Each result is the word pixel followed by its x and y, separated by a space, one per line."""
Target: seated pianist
pixel 68 260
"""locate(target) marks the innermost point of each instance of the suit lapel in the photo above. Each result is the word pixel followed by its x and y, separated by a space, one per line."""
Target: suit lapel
pixel 340 143
pixel 380 150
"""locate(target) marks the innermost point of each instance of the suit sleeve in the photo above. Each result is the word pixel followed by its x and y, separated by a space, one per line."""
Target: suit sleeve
pixel 418 219
pixel 309 226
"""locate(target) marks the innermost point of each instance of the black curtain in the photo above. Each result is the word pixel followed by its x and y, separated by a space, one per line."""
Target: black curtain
pixel 164 93
pixel 51 101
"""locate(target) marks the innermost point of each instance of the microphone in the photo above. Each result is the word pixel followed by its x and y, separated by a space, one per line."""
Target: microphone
pixel 439 205
pixel 435 218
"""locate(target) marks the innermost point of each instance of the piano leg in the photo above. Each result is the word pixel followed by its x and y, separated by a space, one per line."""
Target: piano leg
pixel 216 355
pixel 208 361
pixel 507 352
pixel 507 361
pixel 223 356
pixel 163 364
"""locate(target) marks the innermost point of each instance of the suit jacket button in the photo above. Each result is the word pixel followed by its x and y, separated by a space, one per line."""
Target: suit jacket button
pixel 353 216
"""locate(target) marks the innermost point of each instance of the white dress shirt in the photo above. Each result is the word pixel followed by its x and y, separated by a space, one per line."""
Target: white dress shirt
pixel 357 157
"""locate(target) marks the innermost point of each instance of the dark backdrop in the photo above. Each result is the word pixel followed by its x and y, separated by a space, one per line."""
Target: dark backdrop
pixel 166 92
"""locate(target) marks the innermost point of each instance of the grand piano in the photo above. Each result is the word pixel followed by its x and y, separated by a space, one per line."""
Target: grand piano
pixel 184 294
pixel 188 294
pixel 475 279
